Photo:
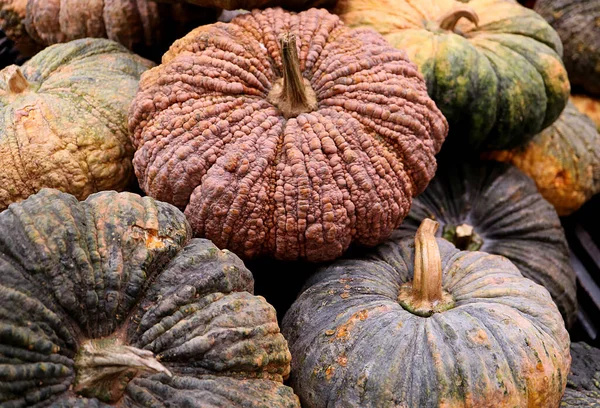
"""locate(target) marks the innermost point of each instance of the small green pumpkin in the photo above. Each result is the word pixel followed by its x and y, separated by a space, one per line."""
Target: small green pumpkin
pixel 418 323
pixel 493 67
pixel 110 301
pixel 495 208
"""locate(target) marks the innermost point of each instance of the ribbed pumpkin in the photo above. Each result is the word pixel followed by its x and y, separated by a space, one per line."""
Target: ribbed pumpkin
pixel 12 22
pixel 576 22
pixel 63 120
pixel 143 26
pixel 109 301
pixel 418 323
pixel 563 160
pixel 583 383
pixel 495 208
pixel 588 105
pixel 287 135
pixel 492 66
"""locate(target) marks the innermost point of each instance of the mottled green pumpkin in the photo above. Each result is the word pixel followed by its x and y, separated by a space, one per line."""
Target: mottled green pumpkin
pixel 493 67
pixel 63 120
pixel 110 301
pixel 495 208
pixel 417 323
pixel 577 24
pixel 563 160
pixel 583 383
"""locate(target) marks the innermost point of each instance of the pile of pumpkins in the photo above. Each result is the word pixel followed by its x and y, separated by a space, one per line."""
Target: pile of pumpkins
pixel 411 157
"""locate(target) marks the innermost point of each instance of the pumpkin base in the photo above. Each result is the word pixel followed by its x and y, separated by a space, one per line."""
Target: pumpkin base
pixel 463 237
pixel 421 307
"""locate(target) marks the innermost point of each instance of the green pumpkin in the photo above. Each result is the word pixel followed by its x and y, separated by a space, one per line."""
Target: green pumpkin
pixel 493 67
pixel 110 301
pixel 496 208
pixel 418 323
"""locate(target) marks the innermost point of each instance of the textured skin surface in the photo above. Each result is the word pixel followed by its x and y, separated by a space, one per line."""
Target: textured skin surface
pixel 583 383
pixel 563 160
pixel 209 142
pixel 12 22
pixel 505 209
pixel 143 26
pixel 576 22
pixel 296 5
pixel 498 84
pixel 504 344
pixel 589 106
pixel 121 265
pixel 68 130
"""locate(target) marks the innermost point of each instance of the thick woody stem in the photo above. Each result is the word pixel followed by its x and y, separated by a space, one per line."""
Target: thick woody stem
pixel 424 295
pixel 449 20
pixel 292 94
pixel 463 237
pixel 12 80
pixel 104 367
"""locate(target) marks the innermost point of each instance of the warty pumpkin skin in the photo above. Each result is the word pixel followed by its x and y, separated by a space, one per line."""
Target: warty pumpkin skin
pixel 576 22
pixel 108 301
pixel 63 120
pixel 589 106
pixel 495 208
pixel 493 67
pixel 563 160
pixel 294 156
pixel 583 383
pixel 143 26
pixel 492 338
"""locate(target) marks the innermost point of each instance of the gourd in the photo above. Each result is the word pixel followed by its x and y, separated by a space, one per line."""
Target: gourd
pixel 576 22
pixel 588 106
pixel 286 135
pixel 64 120
pixel 493 67
pixel 418 323
pixel 495 208
pixel 583 389
pixel 109 302
pixel 563 160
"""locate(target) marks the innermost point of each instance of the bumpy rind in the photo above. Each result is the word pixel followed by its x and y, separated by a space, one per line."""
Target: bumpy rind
pixel 511 217
pixel 68 130
pixel 498 83
pixel 123 266
pixel 563 160
pixel 209 142
pixel 504 343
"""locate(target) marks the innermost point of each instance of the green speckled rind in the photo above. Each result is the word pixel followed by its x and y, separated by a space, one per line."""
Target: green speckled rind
pixel 498 84
pixel 504 344
pixel 583 386
pixel 117 264
pixel 577 24
pixel 505 209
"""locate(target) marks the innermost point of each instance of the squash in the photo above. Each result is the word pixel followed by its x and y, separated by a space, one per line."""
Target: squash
pixel 418 323
pixel 143 26
pixel 495 208
pixel 110 301
pixel 286 135
pixel 493 67
pixel 588 105
pixel 63 120
pixel 563 160
pixel 12 22
pixel 576 22
pixel 583 383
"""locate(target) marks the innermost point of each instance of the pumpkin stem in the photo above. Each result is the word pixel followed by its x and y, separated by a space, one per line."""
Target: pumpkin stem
pixel 12 80
pixel 463 237
pixel 292 93
pixel 105 366
pixel 424 296
pixel 449 20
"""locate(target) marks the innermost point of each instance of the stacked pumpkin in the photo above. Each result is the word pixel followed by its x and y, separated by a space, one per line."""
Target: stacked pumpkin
pixel 302 137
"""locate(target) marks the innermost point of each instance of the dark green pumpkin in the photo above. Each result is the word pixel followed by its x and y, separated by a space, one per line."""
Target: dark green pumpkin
pixel 116 280
pixel 508 217
pixel 362 336
pixel 577 24
pixel 583 383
